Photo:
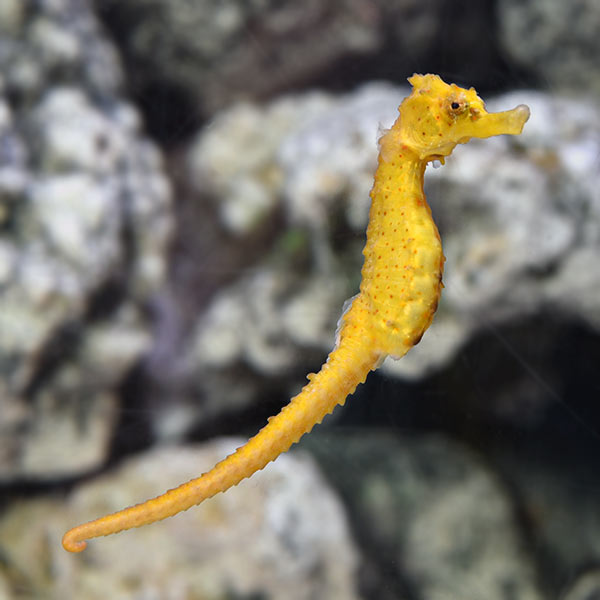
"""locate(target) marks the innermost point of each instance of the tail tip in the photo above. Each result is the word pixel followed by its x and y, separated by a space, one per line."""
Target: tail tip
pixel 71 544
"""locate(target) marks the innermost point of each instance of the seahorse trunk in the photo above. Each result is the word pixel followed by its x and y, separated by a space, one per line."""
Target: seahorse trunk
pixel 347 366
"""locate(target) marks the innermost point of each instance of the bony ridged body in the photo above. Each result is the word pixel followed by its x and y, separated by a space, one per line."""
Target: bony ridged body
pixel 399 292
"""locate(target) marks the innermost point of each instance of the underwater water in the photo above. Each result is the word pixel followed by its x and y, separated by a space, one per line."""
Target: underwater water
pixel 184 194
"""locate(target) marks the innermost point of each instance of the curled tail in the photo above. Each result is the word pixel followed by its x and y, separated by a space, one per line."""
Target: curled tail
pixel 347 366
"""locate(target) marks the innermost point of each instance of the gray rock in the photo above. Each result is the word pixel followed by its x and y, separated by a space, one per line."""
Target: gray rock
pixel 85 220
pixel 233 49
pixel 430 511
pixel 282 534
pixel 557 40
pixel 586 587
pixel 560 493
pixel 56 41
pixel 216 53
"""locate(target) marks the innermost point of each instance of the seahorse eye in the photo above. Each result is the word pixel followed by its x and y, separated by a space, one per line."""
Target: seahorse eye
pixel 457 106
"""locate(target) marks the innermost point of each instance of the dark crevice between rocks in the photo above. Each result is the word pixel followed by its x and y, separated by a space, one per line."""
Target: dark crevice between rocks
pixel 61 347
pixel 65 341
pixel 133 429
pixel 171 115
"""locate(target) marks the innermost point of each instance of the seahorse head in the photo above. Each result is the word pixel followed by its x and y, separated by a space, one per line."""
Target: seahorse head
pixel 438 116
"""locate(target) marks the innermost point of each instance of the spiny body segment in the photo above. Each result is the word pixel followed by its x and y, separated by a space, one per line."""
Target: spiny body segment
pixel 399 292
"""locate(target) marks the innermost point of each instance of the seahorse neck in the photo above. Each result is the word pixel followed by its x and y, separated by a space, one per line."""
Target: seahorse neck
pixel 398 181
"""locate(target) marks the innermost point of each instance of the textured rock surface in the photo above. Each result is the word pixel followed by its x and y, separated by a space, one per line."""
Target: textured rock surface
pixel 216 53
pixel 239 49
pixel 282 534
pixel 586 587
pixel 557 40
pixel 560 497
pixel 84 212
pixel 431 511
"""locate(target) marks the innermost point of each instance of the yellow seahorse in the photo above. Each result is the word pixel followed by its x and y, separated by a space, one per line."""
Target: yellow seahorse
pixel 399 292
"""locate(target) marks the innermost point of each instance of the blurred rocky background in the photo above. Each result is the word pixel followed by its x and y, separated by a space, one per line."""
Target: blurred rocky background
pixel 183 200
